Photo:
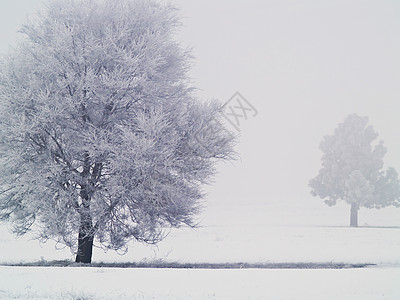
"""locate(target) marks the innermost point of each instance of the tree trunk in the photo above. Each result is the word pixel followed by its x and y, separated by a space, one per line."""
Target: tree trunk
pixel 85 241
pixel 86 230
pixel 354 215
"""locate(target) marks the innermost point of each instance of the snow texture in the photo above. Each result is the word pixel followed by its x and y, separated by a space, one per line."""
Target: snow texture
pixel 168 284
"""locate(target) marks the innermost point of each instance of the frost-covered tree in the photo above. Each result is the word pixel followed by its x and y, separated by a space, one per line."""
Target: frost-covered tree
pixel 101 137
pixel 352 169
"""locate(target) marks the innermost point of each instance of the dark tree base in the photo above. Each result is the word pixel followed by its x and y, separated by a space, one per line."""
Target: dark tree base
pixel 85 249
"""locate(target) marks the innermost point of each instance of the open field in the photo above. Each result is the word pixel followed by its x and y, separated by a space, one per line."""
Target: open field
pixel 236 235
pixel 104 283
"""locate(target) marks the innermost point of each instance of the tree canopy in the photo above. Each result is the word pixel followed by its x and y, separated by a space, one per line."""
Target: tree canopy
pixel 100 131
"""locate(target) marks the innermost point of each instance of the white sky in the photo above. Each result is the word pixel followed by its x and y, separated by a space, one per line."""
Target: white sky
pixel 304 65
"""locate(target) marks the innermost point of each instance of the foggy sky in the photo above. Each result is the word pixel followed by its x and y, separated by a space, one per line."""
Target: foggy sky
pixel 303 64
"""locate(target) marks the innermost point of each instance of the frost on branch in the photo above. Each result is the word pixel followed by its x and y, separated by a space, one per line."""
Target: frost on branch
pixel 100 128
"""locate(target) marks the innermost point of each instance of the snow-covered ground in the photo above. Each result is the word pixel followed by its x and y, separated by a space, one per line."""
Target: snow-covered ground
pixel 281 231
pixel 95 283
pixel 271 232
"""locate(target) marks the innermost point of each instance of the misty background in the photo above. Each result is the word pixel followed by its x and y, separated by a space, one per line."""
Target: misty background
pixel 304 65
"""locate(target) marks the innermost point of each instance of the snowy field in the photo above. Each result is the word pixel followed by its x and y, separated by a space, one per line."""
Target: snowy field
pixel 272 233
pixel 94 283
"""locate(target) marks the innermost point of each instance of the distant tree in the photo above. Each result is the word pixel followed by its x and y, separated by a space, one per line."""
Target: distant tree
pixel 352 169
pixel 101 137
